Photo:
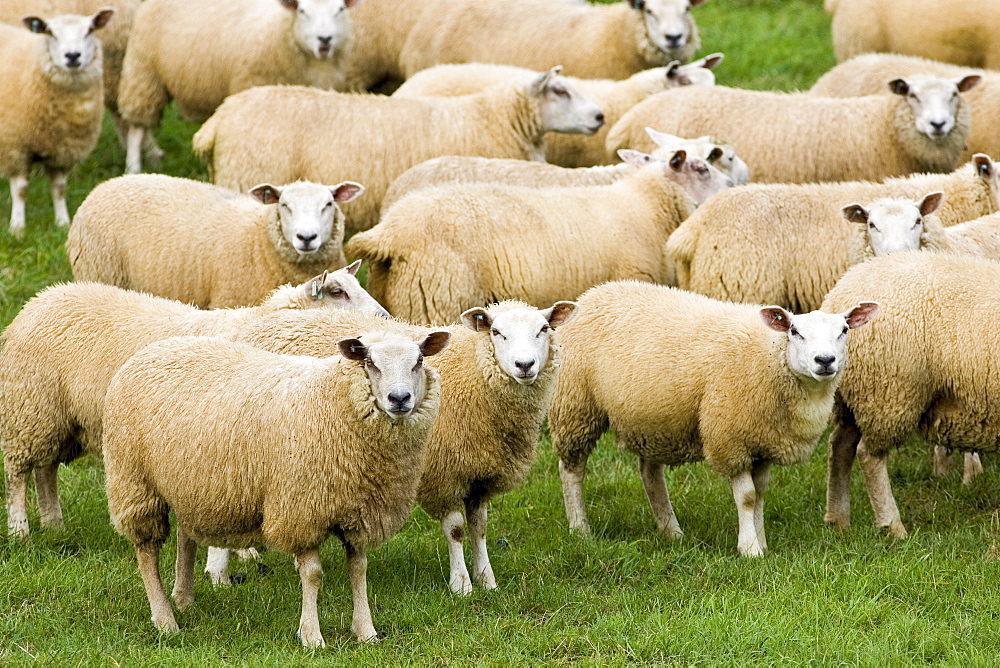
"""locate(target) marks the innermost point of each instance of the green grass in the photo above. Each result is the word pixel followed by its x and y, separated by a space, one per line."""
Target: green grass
pixel 624 596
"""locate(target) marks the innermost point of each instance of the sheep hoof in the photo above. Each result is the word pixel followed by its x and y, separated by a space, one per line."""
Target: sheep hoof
pixel 368 637
pixel 672 534
pixel 18 530
pixel 753 550
pixel 166 625
pixel 182 600
pixel 897 529
pixel 837 522
pixel 461 586
pixel 312 639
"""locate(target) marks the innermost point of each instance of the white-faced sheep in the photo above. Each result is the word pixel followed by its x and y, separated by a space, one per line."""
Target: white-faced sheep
pixel 922 128
pixel 613 97
pixel 51 103
pixel 868 74
pixel 929 366
pixel 738 385
pixel 538 245
pixel 788 244
pixel 197 54
pixel 279 134
pixel 58 355
pixel 187 416
pixel 204 245
pixel 956 31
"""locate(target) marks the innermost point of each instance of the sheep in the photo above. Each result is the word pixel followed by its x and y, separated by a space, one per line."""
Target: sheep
pixel 613 97
pixel 922 128
pixel 716 383
pixel 281 133
pixel 594 42
pixel 51 103
pixel 187 416
pixel 204 245
pixel 197 54
pixel 465 169
pixel 868 74
pixel 497 378
pixel 534 244
pixel 928 366
pixel 788 244
pixel 956 31
pixel 58 355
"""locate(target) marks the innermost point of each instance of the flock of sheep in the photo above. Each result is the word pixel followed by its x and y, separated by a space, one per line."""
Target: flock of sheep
pixel 221 355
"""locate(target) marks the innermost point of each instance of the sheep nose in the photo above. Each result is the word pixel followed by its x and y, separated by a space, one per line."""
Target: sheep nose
pixel 73 58
pixel 306 239
pixel 673 40
pixel 599 117
pixel 938 125
pixel 398 399
pixel 325 41
pixel 524 366
pixel 825 360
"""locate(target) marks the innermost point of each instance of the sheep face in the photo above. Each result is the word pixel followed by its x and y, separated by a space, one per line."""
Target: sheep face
pixel 697 73
pixel 668 23
pixel 986 170
pixel 307 212
pixel 340 289
pixel 817 341
pixel 395 367
pixel 521 336
pixel 699 179
pixel 321 27
pixel 893 224
pixel 714 151
pixel 563 107
pixel 72 45
pixel 934 101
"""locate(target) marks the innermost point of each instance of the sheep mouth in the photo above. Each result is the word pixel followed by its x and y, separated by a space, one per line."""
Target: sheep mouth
pixel 399 413
pixel 526 378
pixel 307 250
pixel 822 374
pixel 324 51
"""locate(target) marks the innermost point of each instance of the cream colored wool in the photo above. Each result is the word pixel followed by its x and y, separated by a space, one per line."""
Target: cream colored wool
pixel 613 97
pixel 214 431
pixel 440 251
pixel 975 238
pixel 872 137
pixel 250 140
pixel 869 74
pixel 964 32
pixel 788 244
pixel 57 358
pixel 190 241
pixel 927 364
pixel 380 31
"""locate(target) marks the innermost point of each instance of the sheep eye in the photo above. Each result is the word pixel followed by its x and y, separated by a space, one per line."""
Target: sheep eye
pixel 494 331
pixel 844 331
pixel 871 226
pixel 544 329
pixel 337 292
pixel 794 332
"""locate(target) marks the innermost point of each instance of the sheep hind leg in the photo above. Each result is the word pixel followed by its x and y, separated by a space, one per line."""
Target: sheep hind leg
pixel 482 569
pixel 843 447
pixel 357 569
pixel 133 149
pixel 18 196
pixel 47 491
pixel 572 473
pixel 880 491
pixel 973 467
pixel 183 593
pixel 17 502
pixel 148 556
pixel 745 496
pixel 761 477
pixel 310 570
pixel 453 525
pixel 217 565
pixel 941 461
pixel 655 484
pixel 57 184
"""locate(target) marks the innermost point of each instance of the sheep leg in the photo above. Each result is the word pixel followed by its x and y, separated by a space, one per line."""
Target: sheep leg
pixel 148 555
pixel 47 491
pixel 973 467
pixel 133 149
pixel 842 449
pixel 311 573
pixel 761 477
pixel 18 196
pixel 941 461
pixel 659 498
pixel 482 570
pixel 880 491
pixel 572 484
pixel 183 593
pixel 17 502
pixel 152 151
pixel 57 184
pixel 217 565
pixel 357 569
pixel 745 496
pixel 453 526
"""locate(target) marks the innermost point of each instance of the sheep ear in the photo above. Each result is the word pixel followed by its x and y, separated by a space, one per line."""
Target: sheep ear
pixel 36 25
pixel 984 165
pixel 435 342
pixel 265 193
pixel 856 213
pixel 316 286
pixel 899 86
pixel 710 61
pixel 714 154
pixel 290 5
pixel 346 191
pixel 637 5
pixel 353 349
pixel 968 82
pixel 695 3
pixel 101 18
pixel 672 69
pixel 353 267
pixel 677 160
pixel 634 158
pixel 350 3
pixel 931 202
pixel 560 313
pixel 861 314
pixel 662 138
pixel 776 318
pixel 477 319
pixel 542 80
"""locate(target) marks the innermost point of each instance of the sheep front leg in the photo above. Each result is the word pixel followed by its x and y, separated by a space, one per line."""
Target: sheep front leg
pixel 18 196
pixel 217 565
pixel 57 184
pixel 311 573
pixel 357 569
pixel 47 490
pixel 745 496
pixel 148 555
pixel 761 477
pixel 572 484
pixel 17 502
pixel 482 570
pixel 453 526
pixel 183 593
pixel 843 446
pixel 880 491
pixel 941 461
pixel 659 498
pixel 973 467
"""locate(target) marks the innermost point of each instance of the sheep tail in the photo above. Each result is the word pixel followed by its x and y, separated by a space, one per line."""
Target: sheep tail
pixel 830 6
pixel 678 253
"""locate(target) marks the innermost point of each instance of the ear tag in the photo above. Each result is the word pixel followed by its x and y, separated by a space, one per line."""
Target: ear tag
pixel 315 290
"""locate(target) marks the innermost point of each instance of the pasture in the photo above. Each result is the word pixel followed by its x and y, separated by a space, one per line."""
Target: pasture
pixel 622 596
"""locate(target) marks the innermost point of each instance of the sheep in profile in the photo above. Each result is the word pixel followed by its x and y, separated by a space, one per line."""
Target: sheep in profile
pixel 278 134
pixel 197 54
pixel 51 103
pixel 738 385
pixel 204 245
pixel 187 414
pixel 923 127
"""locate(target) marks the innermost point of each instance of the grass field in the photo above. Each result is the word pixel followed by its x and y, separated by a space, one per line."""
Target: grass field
pixel 623 596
